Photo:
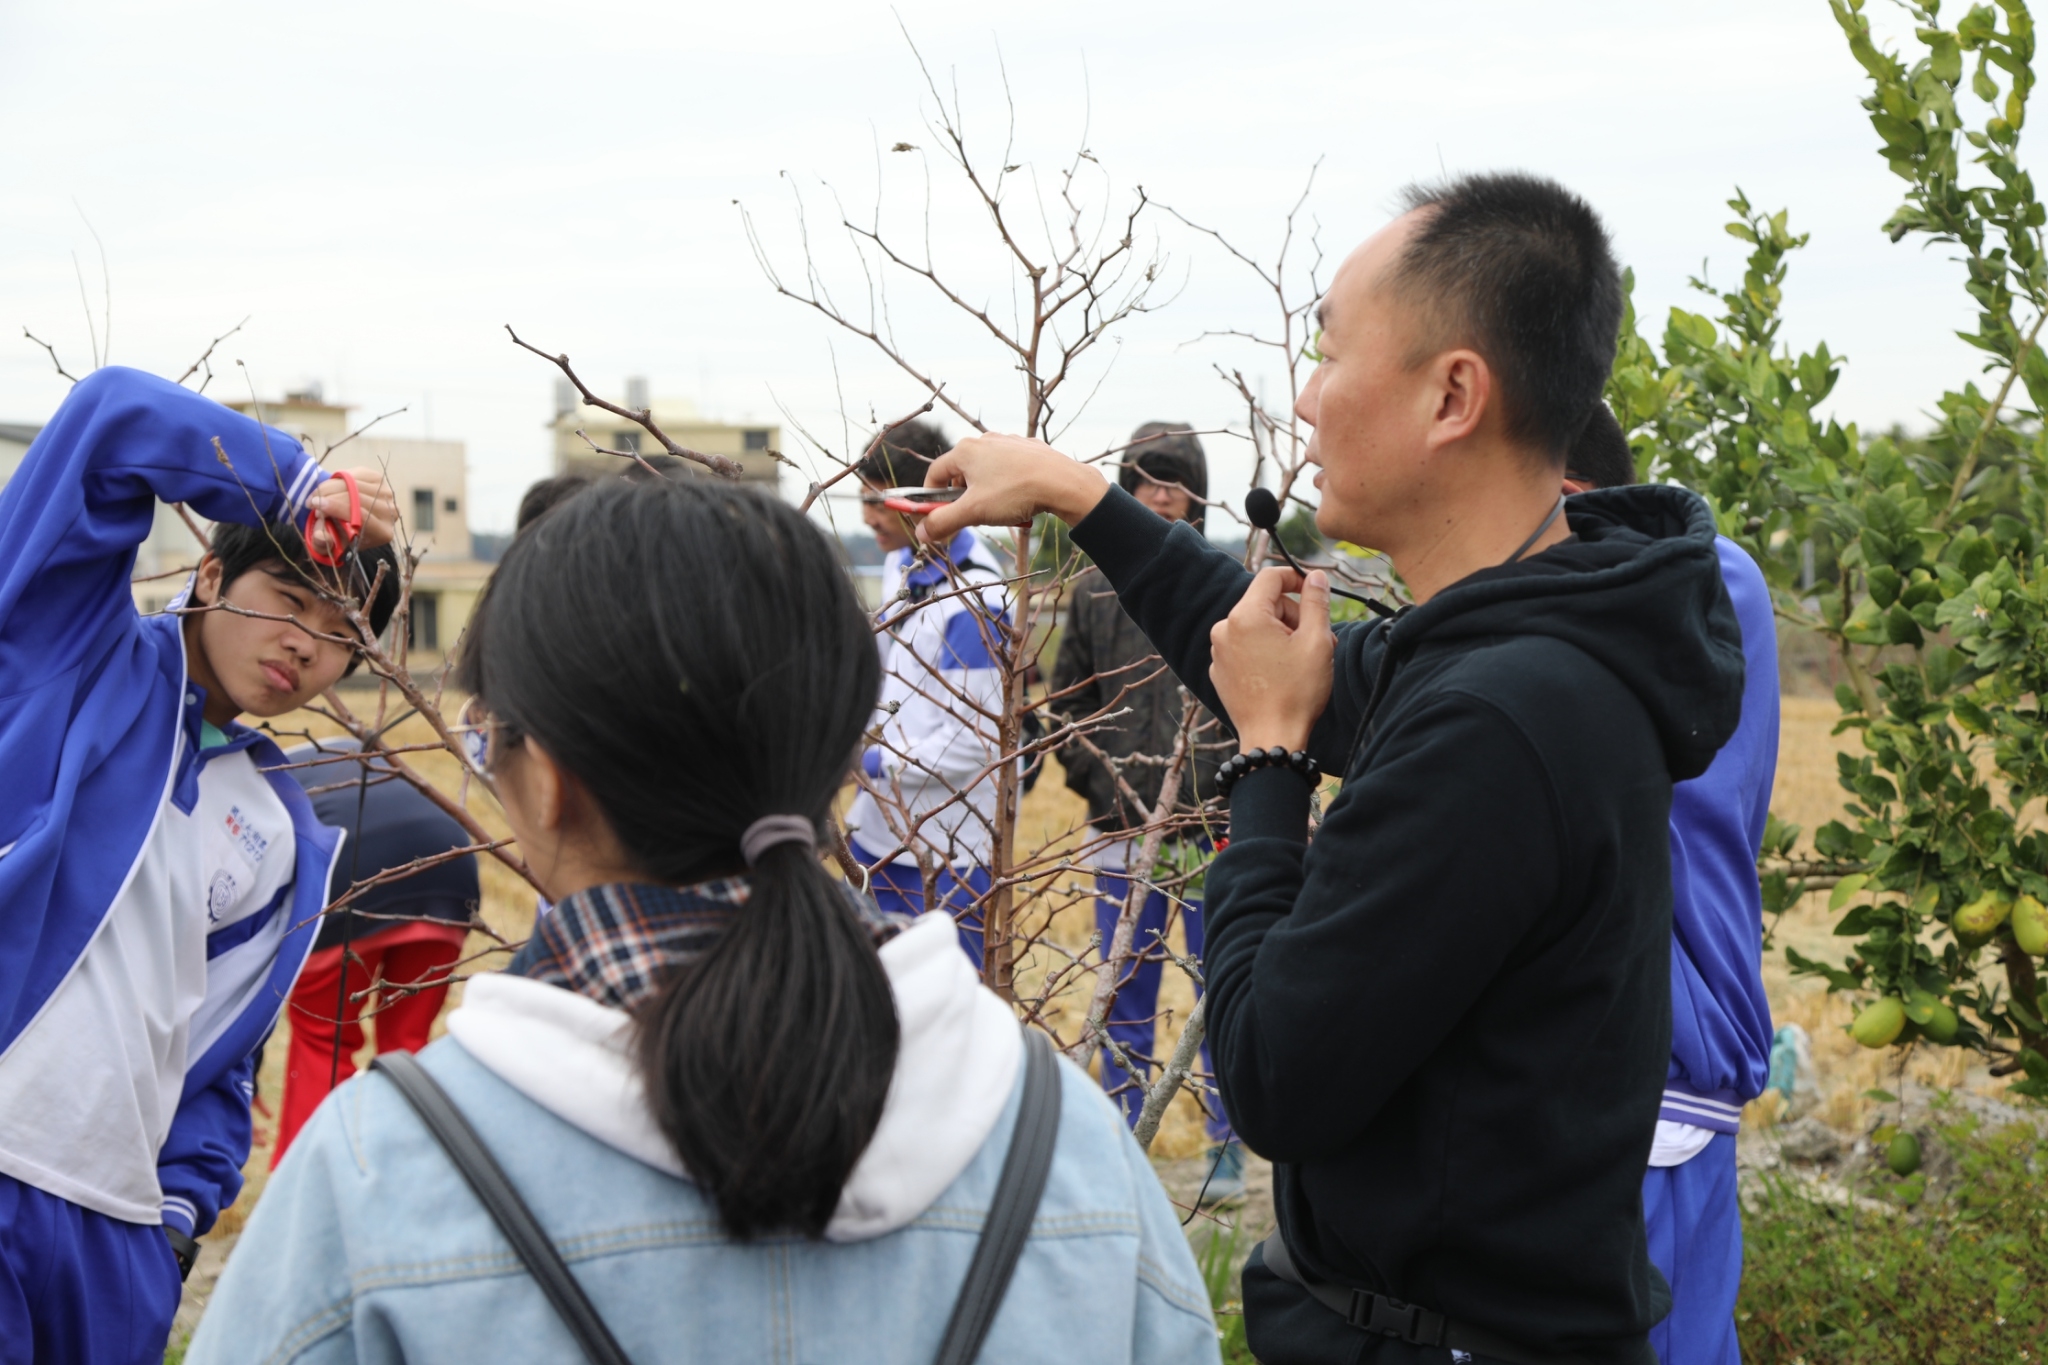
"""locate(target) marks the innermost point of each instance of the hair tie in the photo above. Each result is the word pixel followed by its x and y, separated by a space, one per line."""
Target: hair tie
pixel 770 830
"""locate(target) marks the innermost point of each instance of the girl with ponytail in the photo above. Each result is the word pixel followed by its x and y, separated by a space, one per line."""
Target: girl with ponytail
pixel 758 1118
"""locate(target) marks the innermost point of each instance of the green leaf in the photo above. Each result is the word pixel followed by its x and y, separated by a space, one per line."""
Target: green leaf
pixel 1944 55
pixel 1881 1096
pixel 1694 328
pixel 1846 889
pixel 1838 979
pixel 1900 628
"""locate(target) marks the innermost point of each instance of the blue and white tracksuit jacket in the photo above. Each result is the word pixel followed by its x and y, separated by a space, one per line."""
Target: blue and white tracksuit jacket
pixel 1720 1019
pixel 942 686
pixel 100 738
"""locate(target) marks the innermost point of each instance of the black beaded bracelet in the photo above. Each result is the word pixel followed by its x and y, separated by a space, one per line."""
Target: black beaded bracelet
pixel 1237 765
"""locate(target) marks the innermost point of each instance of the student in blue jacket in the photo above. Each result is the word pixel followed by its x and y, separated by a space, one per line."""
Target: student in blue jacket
pixel 153 913
pixel 1720 1018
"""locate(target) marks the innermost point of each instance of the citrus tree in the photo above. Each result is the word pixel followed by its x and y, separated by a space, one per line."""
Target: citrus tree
pixel 1923 562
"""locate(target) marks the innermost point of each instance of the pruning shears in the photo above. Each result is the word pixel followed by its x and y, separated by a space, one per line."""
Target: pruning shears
pixel 915 502
pixel 341 533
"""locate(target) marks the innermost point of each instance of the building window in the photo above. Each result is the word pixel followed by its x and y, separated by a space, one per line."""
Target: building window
pixel 448 505
pixel 422 509
pixel 423 623
pixel 757 440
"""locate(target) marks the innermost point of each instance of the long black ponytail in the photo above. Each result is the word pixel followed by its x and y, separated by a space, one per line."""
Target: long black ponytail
pixel 693 653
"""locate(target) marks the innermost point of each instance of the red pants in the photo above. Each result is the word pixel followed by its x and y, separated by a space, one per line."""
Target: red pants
pixel 400 955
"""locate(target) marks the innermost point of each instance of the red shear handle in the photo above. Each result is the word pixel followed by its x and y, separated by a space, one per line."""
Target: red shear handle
pixel 341 534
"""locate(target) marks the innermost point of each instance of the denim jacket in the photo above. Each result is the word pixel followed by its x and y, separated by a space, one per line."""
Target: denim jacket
pixel 367 1246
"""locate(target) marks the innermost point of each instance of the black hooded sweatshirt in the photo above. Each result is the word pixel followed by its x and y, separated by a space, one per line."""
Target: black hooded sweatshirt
pixel 1447 1020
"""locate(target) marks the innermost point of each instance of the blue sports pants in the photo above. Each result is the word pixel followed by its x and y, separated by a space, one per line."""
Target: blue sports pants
pixel 1695 1227
pixel 899 888
pixel 78 1287
pixel 1133 1016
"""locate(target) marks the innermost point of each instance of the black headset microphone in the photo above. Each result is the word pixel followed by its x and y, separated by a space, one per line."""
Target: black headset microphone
pixel 1262 510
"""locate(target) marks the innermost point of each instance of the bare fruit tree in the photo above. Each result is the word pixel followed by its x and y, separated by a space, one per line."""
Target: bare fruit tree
pixel 1078 266
pixel 1075 260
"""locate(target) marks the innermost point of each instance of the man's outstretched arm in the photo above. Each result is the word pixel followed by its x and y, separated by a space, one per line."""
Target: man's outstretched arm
pixel 1176 585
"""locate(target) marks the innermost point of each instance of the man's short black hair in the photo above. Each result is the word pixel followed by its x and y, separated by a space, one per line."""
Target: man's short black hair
pixel 241 549
pixel 1600 456
pixel 545 494
pixel 901 455
pixel 1520 269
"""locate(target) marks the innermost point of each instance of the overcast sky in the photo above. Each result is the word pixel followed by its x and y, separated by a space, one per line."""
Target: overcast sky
pixel 381 186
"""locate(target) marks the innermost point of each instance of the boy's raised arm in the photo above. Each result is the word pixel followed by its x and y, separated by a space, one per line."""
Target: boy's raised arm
pixel 85 498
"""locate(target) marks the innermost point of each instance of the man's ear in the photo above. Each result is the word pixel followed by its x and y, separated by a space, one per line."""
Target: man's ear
pixel 1462 384
pixel 206 581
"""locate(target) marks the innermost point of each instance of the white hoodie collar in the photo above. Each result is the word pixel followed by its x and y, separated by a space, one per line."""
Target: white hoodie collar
pixel 955 1067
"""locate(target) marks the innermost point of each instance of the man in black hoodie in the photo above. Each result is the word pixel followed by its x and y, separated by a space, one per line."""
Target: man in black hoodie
pixel 1484 915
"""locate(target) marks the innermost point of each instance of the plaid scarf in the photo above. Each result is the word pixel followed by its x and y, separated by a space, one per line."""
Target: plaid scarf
pixel 616 943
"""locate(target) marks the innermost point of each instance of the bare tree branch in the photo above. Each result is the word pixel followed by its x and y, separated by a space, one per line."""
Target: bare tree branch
pixel 206 356
pixel 717 464
pixel 53 354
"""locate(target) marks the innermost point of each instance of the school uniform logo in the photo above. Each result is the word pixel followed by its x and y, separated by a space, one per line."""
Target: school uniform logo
pixel 220 897
pixel 245 835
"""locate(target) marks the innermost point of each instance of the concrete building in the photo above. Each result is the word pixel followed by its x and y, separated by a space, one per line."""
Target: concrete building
pixel 750 445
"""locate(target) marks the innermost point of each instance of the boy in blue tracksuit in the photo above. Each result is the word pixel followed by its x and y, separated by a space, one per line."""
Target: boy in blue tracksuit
pixel 158 889
pixel 1720 1018
pixel 929 796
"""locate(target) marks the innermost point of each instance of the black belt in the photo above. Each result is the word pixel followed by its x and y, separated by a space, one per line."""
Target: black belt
pixel 1389 1317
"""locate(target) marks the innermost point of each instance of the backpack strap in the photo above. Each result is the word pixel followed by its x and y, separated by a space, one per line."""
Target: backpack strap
pixel 501 1200
pixel 1018 1191
pixel 1010 1214
pixel 1380 1315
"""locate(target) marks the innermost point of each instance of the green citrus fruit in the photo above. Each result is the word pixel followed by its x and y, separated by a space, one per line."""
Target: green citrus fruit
pixel 1982 916
pixel 1881 1021
pixel 1942 1026
pixel 1903 1156
pixel 2030 926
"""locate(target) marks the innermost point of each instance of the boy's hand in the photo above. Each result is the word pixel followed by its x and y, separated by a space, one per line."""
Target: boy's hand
pixel 1271 659
pixel 379 506
pixel 1009 480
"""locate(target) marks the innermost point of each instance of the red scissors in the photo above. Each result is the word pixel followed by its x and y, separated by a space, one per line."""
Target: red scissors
pixel 341 534
pixel 916 501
